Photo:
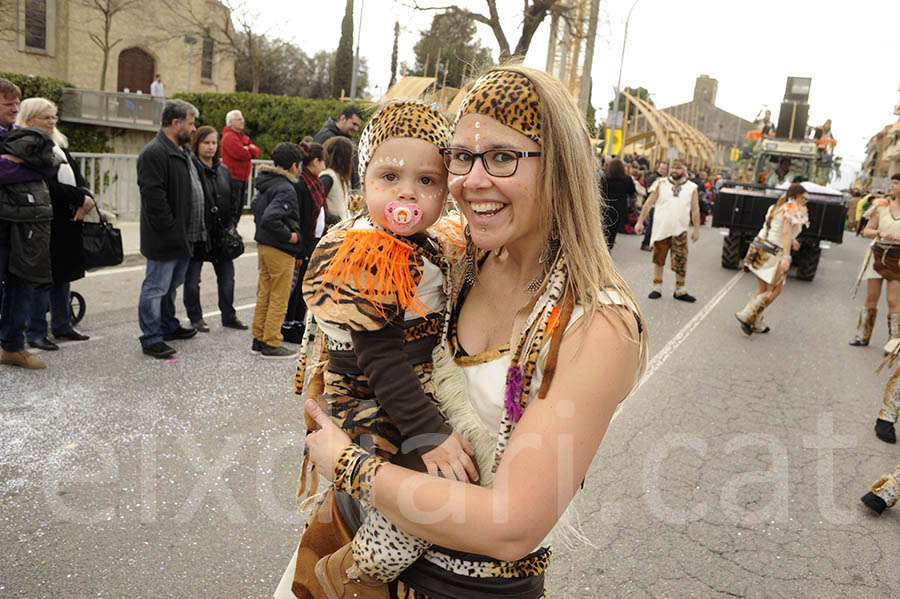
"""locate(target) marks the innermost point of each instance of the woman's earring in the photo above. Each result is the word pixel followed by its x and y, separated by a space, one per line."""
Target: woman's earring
pixel 471 274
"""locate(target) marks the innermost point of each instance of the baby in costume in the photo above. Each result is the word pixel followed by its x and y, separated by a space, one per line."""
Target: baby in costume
pixel 377 286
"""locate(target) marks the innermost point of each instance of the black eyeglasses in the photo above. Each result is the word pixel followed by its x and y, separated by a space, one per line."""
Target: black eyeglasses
pixel 499 163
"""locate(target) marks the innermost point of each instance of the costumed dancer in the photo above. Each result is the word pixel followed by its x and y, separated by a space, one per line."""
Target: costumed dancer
pixel 376 286
pixel 554 344
pixel 865 324
pixel 677 206
pixel 884 227
pixel 769 256
pixel 885 492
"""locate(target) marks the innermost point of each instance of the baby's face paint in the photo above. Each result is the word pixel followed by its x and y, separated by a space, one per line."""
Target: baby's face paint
pixel 406 185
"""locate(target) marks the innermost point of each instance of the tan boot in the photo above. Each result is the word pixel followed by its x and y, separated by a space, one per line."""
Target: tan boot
pixel 22 359
pixel 893 332
pixel 341 578
pixel 748 314
pixel 864 326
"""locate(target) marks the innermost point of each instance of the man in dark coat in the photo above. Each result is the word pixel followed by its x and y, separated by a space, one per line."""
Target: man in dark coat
pixel 171 222
pixel 346 125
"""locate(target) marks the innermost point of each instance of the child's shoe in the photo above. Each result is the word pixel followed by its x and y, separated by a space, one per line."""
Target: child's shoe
pixel 341 578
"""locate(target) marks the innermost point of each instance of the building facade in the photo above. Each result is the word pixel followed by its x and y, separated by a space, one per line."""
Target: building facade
pixel 59 38
pixel 722 127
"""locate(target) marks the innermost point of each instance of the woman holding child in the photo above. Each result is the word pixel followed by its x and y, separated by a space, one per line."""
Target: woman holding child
pixel 543 340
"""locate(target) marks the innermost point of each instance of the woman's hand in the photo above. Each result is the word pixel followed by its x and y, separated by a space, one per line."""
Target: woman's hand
pixel 795 245
pixel 639 227
pixel 452 459
pixel 325 443
pixel 82 210
pixel 784 265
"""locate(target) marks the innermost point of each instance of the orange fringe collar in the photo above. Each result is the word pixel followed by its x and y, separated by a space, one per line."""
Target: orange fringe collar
pixel 380 267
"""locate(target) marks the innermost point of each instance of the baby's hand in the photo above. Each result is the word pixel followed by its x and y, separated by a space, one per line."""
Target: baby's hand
pixel 452 459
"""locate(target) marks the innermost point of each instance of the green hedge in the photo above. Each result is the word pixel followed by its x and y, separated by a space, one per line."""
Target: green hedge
pixel 82 138
pixel 269 119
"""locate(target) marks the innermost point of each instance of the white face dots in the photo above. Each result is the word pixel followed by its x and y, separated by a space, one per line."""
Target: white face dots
pixel 478 124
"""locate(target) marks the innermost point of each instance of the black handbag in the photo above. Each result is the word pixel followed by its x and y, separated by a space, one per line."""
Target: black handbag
pixel 102 243
pixel 227 243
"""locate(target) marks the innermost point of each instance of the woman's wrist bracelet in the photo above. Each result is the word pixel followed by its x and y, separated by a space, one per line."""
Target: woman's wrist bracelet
pixel 354 473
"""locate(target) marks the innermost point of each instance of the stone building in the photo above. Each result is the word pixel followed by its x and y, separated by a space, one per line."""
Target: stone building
pixel 58 38
pixel 722 127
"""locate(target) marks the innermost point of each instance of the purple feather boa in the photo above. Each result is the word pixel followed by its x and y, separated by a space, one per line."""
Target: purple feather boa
pixel 513 392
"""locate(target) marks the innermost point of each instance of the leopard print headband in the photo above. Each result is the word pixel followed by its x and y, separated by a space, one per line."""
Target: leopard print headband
pixel 508 97
pixel 402 119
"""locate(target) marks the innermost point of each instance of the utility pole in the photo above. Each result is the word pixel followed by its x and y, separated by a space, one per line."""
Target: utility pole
pixel 362 6
pixel 619 83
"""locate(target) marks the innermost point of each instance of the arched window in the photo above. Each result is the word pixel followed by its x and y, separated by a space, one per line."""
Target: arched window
pixel 136 70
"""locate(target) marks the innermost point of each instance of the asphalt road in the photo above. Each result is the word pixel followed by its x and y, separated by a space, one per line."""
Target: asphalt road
pixel 734 470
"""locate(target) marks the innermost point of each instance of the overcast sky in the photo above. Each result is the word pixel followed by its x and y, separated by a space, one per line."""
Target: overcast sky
pixel 850 49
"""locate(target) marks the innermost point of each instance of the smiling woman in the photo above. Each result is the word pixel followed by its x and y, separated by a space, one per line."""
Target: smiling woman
pixel 542 342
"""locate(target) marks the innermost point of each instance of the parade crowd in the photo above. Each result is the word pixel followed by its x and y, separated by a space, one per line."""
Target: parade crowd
pixel 420 381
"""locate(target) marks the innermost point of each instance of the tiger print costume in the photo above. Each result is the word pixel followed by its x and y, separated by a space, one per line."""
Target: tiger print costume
pixel 392 281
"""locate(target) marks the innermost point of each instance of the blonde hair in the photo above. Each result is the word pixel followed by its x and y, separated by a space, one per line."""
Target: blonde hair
pixel 32 107
pixel 570 198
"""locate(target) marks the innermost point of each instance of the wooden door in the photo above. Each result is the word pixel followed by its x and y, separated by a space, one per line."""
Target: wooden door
pixel 136 70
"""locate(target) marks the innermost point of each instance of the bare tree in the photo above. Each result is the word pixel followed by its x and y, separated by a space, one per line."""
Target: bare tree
pixel 108 10
pixel 232 27
pixel 533 14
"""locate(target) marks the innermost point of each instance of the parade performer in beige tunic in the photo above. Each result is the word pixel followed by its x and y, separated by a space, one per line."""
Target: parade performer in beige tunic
pixel 769 256
pixel 675 199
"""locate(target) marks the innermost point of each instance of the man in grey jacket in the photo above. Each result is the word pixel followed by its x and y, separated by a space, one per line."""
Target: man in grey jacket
pixel 171 222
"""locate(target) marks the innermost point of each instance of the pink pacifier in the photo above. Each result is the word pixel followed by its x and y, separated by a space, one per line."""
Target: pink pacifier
pixel 402 216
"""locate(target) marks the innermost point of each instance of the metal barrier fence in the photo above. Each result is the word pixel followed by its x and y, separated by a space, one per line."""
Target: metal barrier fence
pixel 113 180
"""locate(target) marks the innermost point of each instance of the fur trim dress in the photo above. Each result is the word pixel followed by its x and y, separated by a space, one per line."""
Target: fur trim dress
pixel 765 251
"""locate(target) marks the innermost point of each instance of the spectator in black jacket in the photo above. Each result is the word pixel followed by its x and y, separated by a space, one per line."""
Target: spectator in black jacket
pixel 171 223
pixel 71 201
pixel 277 218
pixel 346 125
pixel 618 188
pixel 23 169
pixel 216 181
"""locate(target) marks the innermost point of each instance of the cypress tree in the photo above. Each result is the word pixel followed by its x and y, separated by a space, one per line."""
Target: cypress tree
pixel 394 54
pixel 343 59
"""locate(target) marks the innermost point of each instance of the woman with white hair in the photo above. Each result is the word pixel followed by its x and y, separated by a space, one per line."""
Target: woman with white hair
pixel 71 200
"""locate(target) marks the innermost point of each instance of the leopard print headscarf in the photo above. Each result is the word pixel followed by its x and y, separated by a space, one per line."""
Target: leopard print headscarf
pixel 402 119
pixel 508 97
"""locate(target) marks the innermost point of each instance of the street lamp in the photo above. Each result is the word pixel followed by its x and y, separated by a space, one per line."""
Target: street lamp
pixel 190 40
pixel 619 82
pixel 362 6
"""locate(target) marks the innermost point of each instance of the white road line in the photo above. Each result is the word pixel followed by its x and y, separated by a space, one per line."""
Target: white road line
pixel 669 348
pixel 236 308
pixel 126 269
